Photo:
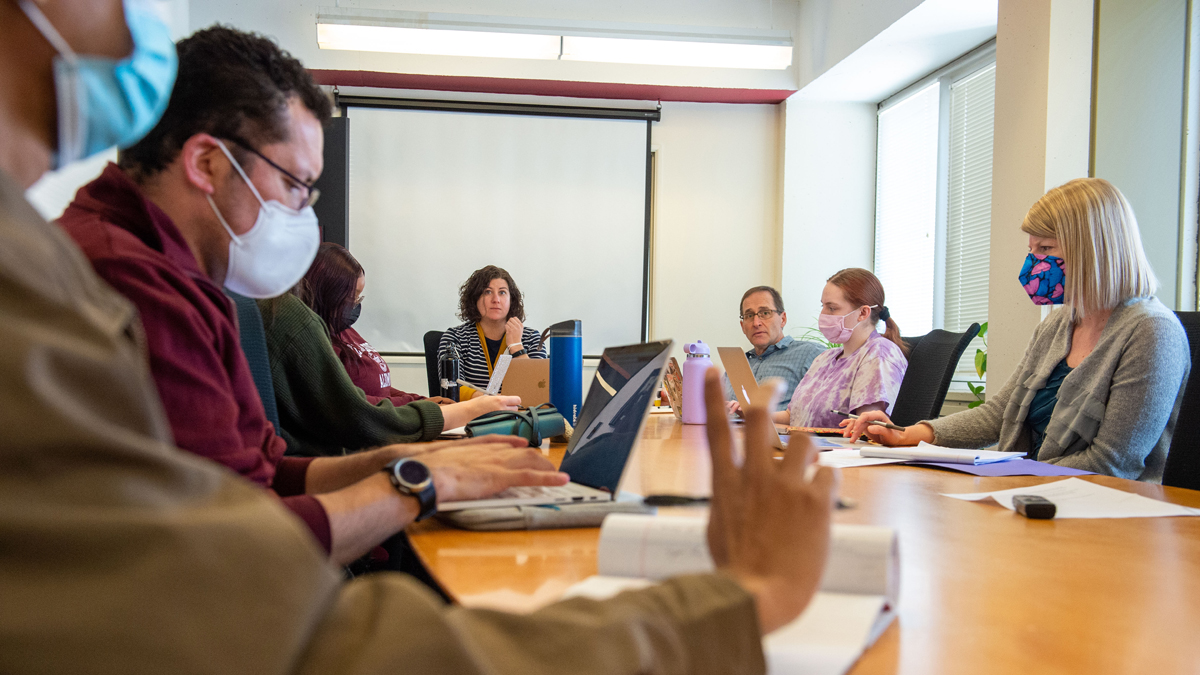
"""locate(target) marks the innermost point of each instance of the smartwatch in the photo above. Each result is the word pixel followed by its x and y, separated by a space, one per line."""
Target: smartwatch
pixel 519 352
pixel 413 478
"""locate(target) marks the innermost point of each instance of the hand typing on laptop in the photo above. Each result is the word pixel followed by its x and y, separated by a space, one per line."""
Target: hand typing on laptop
pixel 769 520
pixel 463 471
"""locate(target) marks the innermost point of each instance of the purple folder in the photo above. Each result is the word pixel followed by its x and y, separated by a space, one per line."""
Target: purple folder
pixel 1012 467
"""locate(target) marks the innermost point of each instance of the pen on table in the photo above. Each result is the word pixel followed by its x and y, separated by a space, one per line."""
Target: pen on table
pixel 684 500
pixel 887 425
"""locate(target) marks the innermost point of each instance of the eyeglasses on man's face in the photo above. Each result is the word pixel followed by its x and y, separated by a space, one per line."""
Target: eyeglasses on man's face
pixel 311 194
pixel 765 315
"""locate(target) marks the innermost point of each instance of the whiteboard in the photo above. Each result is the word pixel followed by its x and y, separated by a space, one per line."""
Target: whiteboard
pixel 559 202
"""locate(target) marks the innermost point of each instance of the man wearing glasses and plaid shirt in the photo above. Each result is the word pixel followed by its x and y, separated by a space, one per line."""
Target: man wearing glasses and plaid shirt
pixel 774 354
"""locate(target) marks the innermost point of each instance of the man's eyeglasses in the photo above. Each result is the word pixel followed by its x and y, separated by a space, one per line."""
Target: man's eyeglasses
pixel 311 193
pixel 765 315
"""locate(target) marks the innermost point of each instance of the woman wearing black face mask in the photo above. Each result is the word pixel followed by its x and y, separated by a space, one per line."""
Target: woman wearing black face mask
pixel 1101 381
pixel 333 288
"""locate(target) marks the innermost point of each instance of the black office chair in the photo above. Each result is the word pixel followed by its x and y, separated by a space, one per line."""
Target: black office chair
pixel 432 339
pixel 253 339
pixel 1183 459
pixel 931 363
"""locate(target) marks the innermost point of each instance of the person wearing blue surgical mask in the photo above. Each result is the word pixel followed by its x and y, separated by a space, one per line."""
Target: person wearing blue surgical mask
pixel 1101 382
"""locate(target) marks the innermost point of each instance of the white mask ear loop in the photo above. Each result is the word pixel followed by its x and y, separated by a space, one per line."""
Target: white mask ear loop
pixel 866 319
pixel 241 172
pixel 48 30
pixel 236 239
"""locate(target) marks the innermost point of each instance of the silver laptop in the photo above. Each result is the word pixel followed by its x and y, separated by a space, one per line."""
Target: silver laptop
pixel 741 379
pixel 610 423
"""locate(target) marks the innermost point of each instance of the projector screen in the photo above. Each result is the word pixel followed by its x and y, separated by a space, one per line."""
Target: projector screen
pixel 559 202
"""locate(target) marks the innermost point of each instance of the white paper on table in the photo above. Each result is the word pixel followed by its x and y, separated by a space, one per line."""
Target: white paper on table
pixel 927 452
pixel 826 639
pixel 829 636
pixel 846 458
pixel 1075 498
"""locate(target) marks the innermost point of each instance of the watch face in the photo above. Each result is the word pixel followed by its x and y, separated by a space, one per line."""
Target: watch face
pixel 412 473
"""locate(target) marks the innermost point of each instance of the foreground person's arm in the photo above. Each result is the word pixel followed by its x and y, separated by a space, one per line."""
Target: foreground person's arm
pixel 768 533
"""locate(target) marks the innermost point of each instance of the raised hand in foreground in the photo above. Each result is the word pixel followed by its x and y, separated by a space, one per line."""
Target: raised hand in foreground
pixel 769 520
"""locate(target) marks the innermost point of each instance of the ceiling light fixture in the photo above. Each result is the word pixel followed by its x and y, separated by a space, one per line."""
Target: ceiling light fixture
pixel 518 38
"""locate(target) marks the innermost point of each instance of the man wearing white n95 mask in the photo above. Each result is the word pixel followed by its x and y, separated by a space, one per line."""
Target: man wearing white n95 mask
pixel 220 193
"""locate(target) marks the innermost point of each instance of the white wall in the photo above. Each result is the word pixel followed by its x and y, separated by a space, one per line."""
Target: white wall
pixel 828 31
pixel 1139 120
pixel 716 217
pixel 828 199
pixel 293 24
pixel 1018 176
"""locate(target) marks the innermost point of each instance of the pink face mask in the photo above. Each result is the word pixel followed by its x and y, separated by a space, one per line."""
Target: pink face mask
pixel 834 329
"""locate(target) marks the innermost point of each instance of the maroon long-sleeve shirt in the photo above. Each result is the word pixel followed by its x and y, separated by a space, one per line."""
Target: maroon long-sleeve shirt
pixel 191 337
pixel 368 370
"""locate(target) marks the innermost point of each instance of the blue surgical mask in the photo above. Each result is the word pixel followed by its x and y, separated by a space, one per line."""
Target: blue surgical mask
pixel 105 102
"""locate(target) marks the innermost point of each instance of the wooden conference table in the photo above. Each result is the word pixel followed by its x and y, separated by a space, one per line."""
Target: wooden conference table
pixel 982 590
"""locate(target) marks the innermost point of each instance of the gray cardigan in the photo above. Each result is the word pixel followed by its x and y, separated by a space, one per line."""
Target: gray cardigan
pixel 1115 411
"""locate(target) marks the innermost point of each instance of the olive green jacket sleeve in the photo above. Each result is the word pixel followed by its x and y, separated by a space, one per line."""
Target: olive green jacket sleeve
pixel 319 407
pixel 391 624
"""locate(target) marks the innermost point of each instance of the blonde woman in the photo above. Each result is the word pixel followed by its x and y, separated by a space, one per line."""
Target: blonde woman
pixel 1101 381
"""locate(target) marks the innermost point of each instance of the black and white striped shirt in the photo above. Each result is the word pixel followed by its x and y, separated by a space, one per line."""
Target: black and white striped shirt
pixel 473 366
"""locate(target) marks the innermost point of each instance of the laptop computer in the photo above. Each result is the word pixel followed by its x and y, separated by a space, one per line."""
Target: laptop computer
pixel 741 378
pixel 529 379
pixel 609 425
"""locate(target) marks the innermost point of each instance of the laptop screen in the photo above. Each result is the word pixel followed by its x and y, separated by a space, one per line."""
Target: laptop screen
pixel 612 415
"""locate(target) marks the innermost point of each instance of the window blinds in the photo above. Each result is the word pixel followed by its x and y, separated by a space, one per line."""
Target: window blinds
pixel 906 208
pixel 969 208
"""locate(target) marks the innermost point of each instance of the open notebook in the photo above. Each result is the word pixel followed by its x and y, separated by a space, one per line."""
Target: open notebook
pixel 856 602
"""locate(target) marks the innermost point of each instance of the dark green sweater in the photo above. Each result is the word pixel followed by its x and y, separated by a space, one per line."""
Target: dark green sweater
pixel 320 409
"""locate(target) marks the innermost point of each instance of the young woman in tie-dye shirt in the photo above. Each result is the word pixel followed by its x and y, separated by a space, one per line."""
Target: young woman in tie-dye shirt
pixel 865 372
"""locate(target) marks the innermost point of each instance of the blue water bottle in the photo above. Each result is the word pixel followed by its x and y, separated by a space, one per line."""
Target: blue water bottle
pixel 566 368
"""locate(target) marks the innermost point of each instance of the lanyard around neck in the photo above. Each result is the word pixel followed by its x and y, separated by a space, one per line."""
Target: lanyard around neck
pixel 483 343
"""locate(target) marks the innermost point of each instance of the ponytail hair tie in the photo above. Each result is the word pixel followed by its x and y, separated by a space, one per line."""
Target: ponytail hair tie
pixel 884 314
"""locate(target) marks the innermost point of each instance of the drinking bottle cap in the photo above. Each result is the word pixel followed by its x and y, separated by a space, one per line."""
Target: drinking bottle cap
pixel 697 348
pixel 570 328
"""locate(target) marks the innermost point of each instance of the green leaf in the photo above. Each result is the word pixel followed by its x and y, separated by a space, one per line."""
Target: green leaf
pixel 980 362
pixel 974 404
pixel 982 329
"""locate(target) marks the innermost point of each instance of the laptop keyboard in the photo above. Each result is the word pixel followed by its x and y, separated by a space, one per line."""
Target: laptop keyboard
pixel 567 491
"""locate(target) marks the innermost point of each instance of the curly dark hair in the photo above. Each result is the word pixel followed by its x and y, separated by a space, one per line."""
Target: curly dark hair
pixel 328 286
pixel 473 288
pixel 232 85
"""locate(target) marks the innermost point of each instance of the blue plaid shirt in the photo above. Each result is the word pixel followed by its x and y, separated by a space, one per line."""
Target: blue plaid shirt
pixel 787 359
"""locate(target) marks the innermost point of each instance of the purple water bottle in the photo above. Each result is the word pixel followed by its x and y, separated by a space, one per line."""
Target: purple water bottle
pixel 694 367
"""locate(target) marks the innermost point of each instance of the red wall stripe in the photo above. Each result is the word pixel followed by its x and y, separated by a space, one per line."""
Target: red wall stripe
pixel 504 85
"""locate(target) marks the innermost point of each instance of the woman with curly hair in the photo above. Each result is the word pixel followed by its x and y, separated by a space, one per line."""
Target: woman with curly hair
pixel 492 310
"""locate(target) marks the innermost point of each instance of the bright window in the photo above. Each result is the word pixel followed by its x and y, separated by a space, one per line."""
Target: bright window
pixel 933 200
pixel 906 208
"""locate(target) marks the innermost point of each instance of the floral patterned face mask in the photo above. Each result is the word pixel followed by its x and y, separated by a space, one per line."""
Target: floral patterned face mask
pixel 1043 279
